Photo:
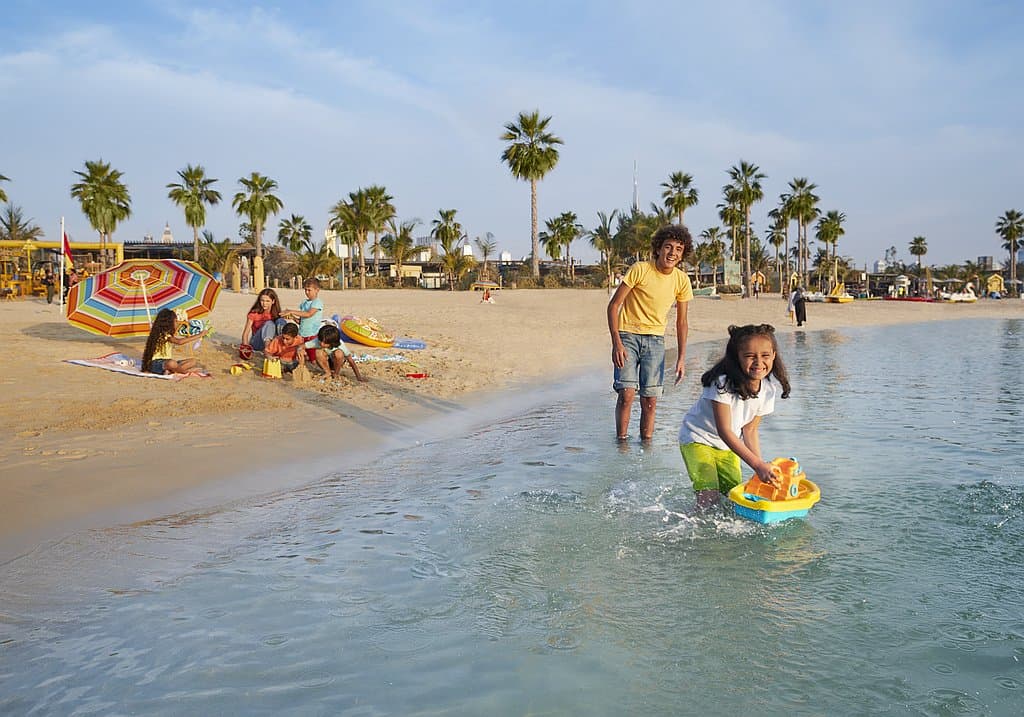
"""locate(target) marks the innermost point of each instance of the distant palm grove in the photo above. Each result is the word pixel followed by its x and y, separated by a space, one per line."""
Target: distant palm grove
pixel 799 245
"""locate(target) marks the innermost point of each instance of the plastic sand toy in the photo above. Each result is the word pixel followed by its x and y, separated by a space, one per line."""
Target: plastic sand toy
pixel 792 496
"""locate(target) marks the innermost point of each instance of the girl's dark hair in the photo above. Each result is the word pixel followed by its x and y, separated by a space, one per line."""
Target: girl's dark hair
pixel 329 335
pixel 275 308
pixel 729 365
pixel 163 329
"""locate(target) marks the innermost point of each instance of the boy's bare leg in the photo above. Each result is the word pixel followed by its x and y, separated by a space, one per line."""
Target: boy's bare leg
pixel 321 361
pixel 647 407
pixel 623 407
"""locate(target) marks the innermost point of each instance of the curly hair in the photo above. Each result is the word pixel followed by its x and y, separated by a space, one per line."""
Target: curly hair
pixel 729 365
pixel 672 232
pixel 162 330
pixel 275 308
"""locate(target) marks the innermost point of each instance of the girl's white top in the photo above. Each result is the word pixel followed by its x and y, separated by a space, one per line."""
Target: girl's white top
pixel 699 422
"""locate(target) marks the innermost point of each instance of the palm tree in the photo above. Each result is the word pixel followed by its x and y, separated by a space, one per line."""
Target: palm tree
pixel 731 214
pixel 3 194
pixel 602 239
pixel 1010 227
pixel 448 232
pixel 746 177
pixel 400 244
pixel 104 198
pixel 918 248
pixel 530 155
pixel 803 207
pixel 563 230
pixel 14 227
pixel 381 211
pixel 356 217
pixel 216 256
pixel 313 260
pixel 487 247
pixel 715 251
pixel 257 202
pixel 550 240
pixel 192 194
pixel 783 215
pixel 829 230
pixel 776 236
pixel 294 233
pixel 679 194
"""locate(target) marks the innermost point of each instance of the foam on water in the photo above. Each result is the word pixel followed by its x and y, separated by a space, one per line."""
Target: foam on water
pixel 527 563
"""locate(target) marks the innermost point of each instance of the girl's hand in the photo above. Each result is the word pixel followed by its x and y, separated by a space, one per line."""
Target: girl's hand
pixel 768 473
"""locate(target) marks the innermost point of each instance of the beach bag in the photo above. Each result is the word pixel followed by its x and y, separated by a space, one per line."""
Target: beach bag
pixel 271 368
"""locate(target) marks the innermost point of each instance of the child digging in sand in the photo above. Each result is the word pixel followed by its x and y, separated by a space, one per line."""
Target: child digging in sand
pixel 331 352
pixel 157 358
pixel 288 346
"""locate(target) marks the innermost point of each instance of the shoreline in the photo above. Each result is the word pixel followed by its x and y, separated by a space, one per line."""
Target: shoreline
pixel 120 450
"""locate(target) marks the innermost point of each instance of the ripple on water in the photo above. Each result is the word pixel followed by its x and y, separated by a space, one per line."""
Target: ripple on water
pixel 550 501
pixel 1007 682
pixel 402 639
pixel 946 701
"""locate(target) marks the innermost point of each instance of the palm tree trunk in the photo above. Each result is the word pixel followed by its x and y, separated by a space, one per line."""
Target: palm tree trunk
pixel 362 263
pixel 534 239
pixel 195 244
pixel 746 283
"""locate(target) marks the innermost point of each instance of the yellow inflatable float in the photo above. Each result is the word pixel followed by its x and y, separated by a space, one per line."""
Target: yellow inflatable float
pixel 367 332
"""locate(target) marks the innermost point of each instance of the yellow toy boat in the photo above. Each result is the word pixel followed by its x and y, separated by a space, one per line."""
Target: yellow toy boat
pixel 792 497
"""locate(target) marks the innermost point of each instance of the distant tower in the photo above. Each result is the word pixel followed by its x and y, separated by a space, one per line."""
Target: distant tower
pixel 636 189
pixel 166 237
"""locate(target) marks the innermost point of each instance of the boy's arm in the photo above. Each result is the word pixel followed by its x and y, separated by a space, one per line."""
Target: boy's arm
pixel 355 368
pixel 302 314
pixel 614 307
pixel 748 448
pixel 682 330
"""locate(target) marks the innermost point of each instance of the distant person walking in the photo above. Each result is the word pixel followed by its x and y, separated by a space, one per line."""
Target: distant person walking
pixel 637 319
pixel 799 305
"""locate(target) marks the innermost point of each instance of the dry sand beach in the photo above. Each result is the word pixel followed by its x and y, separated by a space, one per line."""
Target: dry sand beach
pixel 82 447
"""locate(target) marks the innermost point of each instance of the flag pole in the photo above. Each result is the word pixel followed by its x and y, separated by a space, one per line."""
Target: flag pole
pixel 60 302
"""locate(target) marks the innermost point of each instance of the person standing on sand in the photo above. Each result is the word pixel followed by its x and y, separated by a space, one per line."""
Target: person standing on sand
pixel 800 306
pixel 637 318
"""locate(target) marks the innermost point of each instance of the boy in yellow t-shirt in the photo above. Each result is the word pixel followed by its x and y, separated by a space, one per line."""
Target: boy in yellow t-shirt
pixel 637 318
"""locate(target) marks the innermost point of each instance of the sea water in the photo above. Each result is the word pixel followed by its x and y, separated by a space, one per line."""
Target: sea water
pixel 532 566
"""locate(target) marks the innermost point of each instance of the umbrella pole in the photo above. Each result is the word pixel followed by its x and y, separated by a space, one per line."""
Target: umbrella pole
pixel 145 300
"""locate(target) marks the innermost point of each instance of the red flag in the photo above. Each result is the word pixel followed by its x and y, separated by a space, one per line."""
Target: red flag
pixel 67 251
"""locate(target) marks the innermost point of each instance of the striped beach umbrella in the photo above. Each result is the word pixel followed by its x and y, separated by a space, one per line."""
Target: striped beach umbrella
pixel 122 301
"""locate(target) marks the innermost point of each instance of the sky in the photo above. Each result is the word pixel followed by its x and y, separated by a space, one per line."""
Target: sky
pixel 907 115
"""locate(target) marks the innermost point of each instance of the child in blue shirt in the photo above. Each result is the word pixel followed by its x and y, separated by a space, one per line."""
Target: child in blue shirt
pixel 309 315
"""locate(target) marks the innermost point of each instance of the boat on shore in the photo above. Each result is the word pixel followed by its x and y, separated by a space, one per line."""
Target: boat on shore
pixel 839 295
pixel 964 296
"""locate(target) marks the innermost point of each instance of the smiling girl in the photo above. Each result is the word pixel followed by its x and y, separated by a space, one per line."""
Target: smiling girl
pixel 721 427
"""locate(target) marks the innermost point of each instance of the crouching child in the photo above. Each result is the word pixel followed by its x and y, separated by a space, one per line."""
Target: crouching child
pixel 330 352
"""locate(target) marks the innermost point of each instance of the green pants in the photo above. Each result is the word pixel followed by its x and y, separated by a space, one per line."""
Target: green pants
pixel 711 468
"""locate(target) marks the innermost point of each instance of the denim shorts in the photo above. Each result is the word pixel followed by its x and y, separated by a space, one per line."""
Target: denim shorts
pixel 644 367
pixel 157 366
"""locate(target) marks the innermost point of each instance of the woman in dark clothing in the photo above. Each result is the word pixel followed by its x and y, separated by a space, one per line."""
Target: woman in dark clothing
pixel 800 306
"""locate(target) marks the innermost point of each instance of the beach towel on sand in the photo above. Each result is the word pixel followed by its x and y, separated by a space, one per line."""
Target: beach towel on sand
pixel 121 363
